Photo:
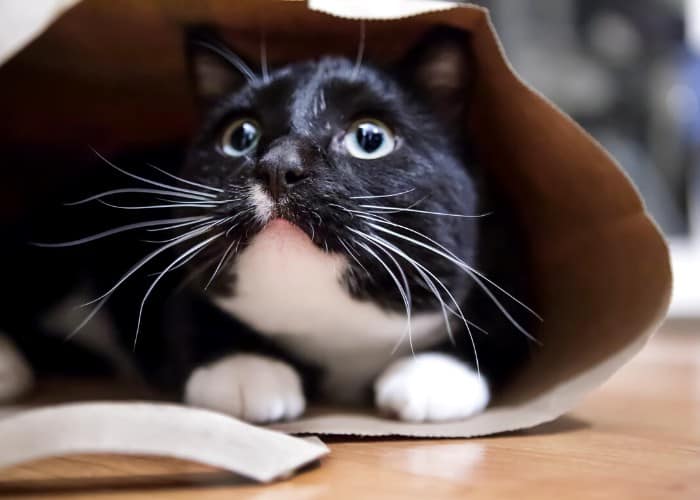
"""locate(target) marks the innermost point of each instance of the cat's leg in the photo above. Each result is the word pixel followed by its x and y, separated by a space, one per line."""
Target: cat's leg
pixel 16 377
pixel 254 388
pixel 431 387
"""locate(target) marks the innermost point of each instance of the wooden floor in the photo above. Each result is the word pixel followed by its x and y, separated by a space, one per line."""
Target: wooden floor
pixel 638 437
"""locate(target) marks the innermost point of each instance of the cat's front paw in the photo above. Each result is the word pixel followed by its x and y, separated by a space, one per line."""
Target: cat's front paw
pixel 253 388
pixel 431 387
pixel 16 376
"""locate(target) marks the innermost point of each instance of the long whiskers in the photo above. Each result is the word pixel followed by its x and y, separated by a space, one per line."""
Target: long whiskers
pixel 101 300
pixel 427 212
pixel 428 278
pixel 152 182
pixel 194 250
pixel 263 58
pixel 378 223
pixel 354 256
pixel 360 49
pixel 224 258
pixel 475 275
pixel 121 229
pixel 149 207
pixel 185 181
pixel 145 260
pixel 182 224
pixel 402 292
pixel 136 191
pixel 232 59
pixel 207 221
pixel 382 195
pixel 171 197
pixel 451 256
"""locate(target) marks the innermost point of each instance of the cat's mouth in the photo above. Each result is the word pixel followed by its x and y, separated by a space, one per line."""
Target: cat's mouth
pixel 277 216
pixel 280 227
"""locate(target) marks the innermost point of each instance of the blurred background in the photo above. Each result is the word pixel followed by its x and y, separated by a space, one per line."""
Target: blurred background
pixel 629 72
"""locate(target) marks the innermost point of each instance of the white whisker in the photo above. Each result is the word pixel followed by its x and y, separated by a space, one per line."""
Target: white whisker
pixel 360 50
pixel 382 195
pixel 196 226
pixel 383 220
pixel 147 207
pixel 263 58
pixel 184 224
pixel 180 179
pixel 232 59
pixel 407 304
pixel 199 269
pixel 354 256
pixel 465 266
pixel 382 242
pixel 221 263
pixel 135 191
pixel 185 237
pixel 471 272
pixel 152 182
pixel 427 212
pixel 407 289
pixel 121 229
pixel 181 264
pixel 194 250
pixel 423 271
pixel 234 217
pixel 103 298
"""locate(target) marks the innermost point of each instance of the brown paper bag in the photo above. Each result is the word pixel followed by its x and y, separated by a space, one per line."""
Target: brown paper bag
pixel 602 268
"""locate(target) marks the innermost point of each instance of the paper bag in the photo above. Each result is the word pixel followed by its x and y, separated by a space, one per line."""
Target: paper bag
pixel 600 263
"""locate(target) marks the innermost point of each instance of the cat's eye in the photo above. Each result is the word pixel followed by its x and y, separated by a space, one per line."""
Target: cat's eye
pixel 369 139
pixel 241 137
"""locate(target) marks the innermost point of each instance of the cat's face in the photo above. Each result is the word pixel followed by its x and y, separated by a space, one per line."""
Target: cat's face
pixel 349 155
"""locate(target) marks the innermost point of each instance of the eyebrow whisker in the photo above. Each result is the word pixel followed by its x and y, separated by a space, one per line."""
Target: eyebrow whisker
pixel 360 50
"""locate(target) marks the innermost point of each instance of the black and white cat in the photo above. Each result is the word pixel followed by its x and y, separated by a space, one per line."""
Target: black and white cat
pixel 340 244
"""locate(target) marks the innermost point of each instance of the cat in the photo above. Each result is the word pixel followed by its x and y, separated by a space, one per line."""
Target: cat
pixel 339 243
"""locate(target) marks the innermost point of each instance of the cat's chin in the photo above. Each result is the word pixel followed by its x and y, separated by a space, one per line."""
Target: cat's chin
pixel 278 224
pixel 279 230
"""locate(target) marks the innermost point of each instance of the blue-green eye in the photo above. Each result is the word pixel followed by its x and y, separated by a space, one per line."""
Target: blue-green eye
pixel 241 137
pixel 369 139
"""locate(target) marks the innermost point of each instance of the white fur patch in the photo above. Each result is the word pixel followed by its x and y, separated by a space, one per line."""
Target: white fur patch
pixel 290 290
pixel 431 387
pixel 16 376
pixel 262 202
pixel 249 387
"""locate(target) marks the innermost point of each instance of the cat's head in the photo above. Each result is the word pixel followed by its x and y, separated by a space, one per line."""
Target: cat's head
pixel 369 162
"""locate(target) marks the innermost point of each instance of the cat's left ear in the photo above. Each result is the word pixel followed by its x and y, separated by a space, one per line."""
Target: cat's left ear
pixel 214 69
pixel 439 68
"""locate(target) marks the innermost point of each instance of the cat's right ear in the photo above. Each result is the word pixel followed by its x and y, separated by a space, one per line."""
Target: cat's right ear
pixel 440 68
pixel 214 69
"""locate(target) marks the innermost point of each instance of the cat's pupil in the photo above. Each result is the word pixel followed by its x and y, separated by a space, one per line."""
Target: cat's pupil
pixel 244 136
pixel 369 137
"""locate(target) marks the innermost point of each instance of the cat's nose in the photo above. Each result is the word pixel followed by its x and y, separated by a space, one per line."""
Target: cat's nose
pixel 282 167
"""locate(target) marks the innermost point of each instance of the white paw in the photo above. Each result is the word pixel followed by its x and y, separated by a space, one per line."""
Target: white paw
pixel 16 376
pixel 253 388
pixel 431 387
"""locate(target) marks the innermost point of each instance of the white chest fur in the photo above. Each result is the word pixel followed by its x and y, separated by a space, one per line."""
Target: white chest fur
pixel 288 289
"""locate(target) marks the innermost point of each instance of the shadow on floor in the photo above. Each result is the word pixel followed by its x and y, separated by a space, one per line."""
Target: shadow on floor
pixel 562 425
pixel 48 488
